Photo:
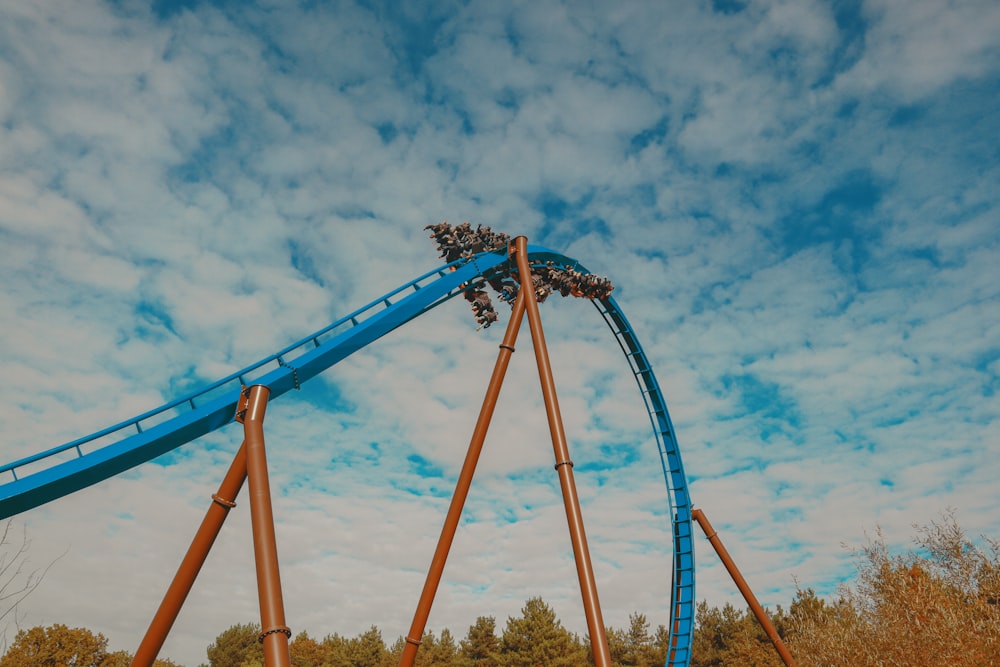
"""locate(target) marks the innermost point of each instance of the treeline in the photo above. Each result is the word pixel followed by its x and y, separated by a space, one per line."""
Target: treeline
pixel 536 637
pixel 936 604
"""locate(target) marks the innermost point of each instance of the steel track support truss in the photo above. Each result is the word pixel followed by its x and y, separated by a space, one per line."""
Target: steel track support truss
pixel 525 303
pixel 249 464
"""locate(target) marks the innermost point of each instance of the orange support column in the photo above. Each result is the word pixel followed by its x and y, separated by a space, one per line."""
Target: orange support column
pixel 744 587
pixel 462 488
pixel 195 557
pixel 584 569
pixel 274 633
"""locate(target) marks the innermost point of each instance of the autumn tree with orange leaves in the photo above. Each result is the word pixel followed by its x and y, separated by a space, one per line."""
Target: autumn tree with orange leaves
pixel 938 604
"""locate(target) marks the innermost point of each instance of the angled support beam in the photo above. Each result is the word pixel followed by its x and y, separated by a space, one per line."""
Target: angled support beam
pixel 744 587
pixel 195 557
pixel 564 466
pixel 416 633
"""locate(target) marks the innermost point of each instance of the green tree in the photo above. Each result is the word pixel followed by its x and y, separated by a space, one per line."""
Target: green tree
pixel 237 647
pixel 538 639
pixel 481 647
pixel 336 651
pixel 395 652
pixel 633 647
pixel 437 651
pixel 729 636
pixel 660 644
pixel 366 650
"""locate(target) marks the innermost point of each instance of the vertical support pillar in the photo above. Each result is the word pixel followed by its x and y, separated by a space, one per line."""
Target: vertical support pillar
pixel 741 583
pixel 193 560
pixel 564 466
pixel 462 487
pixel 274 633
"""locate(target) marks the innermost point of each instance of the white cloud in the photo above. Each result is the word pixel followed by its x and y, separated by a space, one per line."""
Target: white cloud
pixel 804 240
pixel 915 48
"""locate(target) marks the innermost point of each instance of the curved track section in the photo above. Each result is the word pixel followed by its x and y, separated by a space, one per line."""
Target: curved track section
pixel 56 472
pixel 682 582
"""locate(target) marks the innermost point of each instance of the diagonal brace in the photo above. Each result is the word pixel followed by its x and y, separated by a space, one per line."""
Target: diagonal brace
pixel 564 465
pixel 462 488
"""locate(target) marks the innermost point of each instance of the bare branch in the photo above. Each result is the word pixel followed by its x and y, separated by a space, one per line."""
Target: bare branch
pixel 17 579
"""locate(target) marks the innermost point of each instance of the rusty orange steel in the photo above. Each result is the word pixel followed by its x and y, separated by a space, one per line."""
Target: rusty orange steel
pixel 741 583
pixel 564 466
pixel 193 560
pixel 462 487
pixel 274 633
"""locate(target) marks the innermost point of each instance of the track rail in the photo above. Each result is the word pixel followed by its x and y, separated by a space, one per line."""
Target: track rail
pixel 60 471
pixel 682 576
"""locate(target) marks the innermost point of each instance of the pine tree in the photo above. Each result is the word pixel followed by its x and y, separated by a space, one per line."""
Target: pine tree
pixel 538 639
pixel 636 644
pixel 367 649
pixel 437 651
pixel 480 648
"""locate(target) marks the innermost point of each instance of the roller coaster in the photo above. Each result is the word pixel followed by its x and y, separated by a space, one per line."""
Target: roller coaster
pixel 34 480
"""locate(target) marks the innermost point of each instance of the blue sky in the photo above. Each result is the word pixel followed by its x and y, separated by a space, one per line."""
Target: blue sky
pixel 796 200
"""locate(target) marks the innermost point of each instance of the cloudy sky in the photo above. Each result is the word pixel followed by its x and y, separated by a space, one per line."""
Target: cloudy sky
pixel 797 202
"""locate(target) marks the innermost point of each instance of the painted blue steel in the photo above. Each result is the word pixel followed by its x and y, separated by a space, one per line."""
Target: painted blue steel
pixel 218 403
pixel 156 432
pixel 682 583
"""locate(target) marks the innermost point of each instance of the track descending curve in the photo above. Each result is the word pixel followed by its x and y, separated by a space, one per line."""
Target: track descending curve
pixel 60 471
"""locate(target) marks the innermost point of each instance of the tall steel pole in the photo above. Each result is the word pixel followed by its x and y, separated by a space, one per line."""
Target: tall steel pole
pixel 564 466
pixel 193 560
pixel 744 587
pixel 462 487
pixel 274 633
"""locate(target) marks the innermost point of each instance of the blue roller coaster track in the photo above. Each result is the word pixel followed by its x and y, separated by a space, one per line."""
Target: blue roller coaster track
pixel 57 472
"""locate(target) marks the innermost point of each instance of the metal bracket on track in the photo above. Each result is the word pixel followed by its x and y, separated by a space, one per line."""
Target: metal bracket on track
pixel 242 404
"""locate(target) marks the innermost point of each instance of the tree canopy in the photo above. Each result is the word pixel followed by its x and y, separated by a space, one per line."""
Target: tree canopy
pixel 538 638
pixel 61 646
